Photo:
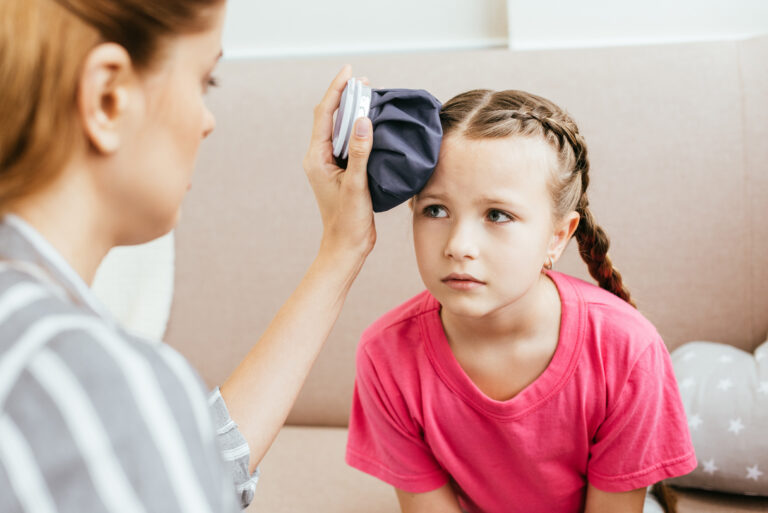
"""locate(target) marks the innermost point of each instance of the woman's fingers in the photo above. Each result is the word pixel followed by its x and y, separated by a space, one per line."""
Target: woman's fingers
pixel 351 224
pixel 342 195
pixel 359 149
pixel 323 126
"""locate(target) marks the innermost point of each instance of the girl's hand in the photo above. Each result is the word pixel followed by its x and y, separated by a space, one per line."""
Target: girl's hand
pixel 342 195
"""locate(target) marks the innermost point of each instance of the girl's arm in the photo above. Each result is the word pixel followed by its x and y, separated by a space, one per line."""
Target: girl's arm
pixel 261 391
pixel 599 501
pixel 442 500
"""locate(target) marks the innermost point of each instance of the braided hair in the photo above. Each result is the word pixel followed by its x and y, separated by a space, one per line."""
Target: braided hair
pixel 480 114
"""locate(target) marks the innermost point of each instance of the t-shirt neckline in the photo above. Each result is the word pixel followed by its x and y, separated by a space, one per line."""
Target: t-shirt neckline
pixel 535 394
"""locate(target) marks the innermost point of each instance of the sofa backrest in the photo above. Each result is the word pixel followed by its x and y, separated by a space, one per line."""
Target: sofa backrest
pixel 678 140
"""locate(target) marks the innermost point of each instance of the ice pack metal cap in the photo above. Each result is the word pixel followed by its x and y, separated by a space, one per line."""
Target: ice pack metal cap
pixel 406 139
pixel 355 104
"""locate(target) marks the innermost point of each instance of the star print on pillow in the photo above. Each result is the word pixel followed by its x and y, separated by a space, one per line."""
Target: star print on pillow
pixel 725 394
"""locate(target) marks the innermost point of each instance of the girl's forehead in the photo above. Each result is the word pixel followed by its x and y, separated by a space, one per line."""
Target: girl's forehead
pixel 468 165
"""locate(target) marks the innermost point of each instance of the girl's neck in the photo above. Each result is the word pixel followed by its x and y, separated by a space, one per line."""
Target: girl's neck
pixel 523 320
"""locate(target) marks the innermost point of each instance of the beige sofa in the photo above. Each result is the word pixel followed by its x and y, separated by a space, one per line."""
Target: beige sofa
pixel 678 136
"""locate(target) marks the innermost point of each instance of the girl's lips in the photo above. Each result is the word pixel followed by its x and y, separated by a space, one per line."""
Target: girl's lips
pixel 463 284
pixel 462 281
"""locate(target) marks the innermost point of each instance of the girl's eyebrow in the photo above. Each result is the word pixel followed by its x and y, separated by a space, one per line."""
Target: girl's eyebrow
pixel 482 200
pixel 431 195
pixel 499 200
pixel 495 199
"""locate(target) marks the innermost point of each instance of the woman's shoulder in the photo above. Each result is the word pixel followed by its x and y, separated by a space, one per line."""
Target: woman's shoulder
pixel 34 311
pixel 104 398
pixel 42 323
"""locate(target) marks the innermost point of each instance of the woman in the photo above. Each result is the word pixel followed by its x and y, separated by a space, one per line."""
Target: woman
pixel 103 112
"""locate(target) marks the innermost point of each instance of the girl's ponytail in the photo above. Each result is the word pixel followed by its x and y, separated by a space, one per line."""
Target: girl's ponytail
pixel 592 239
pixel 593 248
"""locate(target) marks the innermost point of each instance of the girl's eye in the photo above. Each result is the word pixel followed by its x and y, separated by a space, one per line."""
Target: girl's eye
pixel 497 216
pixel 435 211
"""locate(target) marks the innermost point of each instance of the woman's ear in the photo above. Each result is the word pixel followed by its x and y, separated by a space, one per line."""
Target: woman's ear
pixel 564 230
pixel 103 95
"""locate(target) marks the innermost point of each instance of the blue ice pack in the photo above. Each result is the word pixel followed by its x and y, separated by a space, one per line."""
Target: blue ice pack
pixel 406 139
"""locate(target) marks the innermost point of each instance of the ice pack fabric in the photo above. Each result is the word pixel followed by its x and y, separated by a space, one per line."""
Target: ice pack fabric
pixel 406 142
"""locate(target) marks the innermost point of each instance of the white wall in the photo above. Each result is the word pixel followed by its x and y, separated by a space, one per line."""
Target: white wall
pixel 257 28
pixel 318 27
pixel 563 23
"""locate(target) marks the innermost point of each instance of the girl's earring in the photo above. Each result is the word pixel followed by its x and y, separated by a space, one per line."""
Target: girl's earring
pixel 549 263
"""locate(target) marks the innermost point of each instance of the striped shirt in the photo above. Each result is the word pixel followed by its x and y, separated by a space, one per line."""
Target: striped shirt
pixel 93 419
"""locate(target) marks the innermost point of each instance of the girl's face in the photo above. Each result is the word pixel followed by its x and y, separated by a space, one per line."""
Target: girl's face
pixel 483 225
pixel 168 122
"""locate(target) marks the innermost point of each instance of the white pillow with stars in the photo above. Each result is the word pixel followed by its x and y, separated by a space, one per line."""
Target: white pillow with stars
pixel 725 394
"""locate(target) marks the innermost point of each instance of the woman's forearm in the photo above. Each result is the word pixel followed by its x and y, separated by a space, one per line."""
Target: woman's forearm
pixel 261 391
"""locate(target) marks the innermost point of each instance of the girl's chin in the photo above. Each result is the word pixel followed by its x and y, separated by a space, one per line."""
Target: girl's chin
pixel 464 307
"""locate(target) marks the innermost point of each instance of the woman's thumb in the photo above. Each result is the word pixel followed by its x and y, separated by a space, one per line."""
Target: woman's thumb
pixel 360 146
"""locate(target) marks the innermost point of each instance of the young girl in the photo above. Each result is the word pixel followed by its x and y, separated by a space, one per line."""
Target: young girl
pixel 506 386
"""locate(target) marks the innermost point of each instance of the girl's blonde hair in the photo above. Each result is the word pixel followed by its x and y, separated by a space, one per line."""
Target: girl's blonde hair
pixel 43 46
pixel 482 113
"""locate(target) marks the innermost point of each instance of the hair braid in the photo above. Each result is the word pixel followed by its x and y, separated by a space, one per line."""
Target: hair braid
pixel 592 239
pixel 593 248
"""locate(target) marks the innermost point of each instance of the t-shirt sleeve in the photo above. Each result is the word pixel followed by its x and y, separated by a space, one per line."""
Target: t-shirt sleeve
pixel 384 439
pixel 644 437
pixel 234 449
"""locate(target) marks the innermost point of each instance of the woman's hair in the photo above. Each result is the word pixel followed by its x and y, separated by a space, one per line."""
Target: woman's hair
pixel 43 46
pixel 482 114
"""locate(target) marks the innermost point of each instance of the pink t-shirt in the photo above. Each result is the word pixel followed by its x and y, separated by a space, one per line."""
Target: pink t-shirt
pixel 605 411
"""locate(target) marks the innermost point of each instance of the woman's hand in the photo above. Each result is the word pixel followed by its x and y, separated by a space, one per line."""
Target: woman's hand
pixel 342 195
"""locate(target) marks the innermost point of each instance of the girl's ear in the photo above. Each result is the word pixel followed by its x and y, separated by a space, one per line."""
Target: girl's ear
pixel 103 95
pixel 564 230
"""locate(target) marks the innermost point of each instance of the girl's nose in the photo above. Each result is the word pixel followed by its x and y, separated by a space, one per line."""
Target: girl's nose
pixel 462 243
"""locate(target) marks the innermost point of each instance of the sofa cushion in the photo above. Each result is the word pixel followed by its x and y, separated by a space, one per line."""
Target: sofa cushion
pixel 304 471
pixel 725 394
pixel 700 501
